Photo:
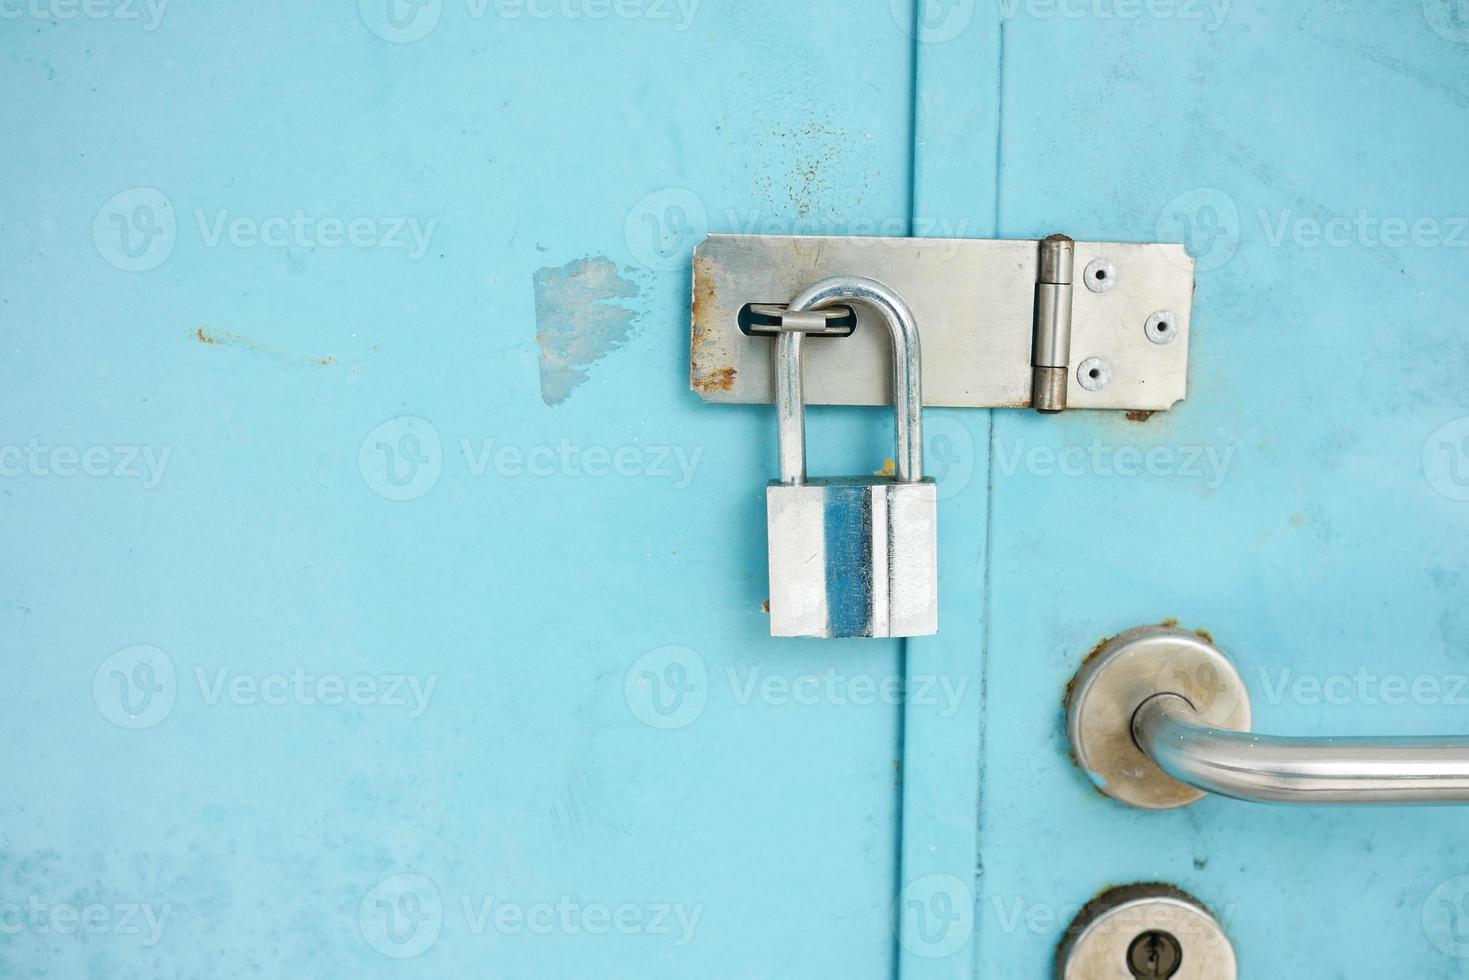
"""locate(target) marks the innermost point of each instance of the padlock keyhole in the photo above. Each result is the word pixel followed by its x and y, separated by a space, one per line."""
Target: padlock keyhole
pixel 1155 956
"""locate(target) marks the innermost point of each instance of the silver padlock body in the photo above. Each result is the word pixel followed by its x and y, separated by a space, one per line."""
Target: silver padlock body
pixel 853 558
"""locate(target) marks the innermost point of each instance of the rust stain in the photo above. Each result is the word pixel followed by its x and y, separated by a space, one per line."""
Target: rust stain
pixel 889 470
pixel 711 367
pixel 765 607
pixel 1206 636
pixel 720 380
pixel 706 292
pixel 1139 416
pixel 1096 651
pixel 224 338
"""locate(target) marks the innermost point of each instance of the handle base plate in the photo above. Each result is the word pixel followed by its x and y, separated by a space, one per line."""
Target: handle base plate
pixel 1126 671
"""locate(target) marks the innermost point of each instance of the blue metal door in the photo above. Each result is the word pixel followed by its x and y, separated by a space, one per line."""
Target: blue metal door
pixel 380 602
pixel 1304 505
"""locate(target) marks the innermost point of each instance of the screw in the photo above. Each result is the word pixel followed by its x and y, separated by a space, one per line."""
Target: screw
pixel 1100 275
pixel 1161 327
pixel 1093 374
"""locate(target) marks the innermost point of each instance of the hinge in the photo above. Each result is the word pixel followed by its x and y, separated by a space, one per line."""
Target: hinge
pixel 1050 356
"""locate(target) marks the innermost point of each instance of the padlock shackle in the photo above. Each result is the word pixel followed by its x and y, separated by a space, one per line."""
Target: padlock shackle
pixel 790 401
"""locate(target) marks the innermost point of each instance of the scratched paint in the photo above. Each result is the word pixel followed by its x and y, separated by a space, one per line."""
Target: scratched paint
pixel 224 338
pixel 580 317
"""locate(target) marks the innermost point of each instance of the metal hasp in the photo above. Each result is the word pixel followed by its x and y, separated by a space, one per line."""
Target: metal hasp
pixel 854 557
pixel 1054 324
pixel 1159 718
pixel 1156 932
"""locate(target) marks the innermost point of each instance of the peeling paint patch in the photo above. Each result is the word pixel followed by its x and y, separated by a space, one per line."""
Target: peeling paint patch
pixel 223 338
pixel 579 320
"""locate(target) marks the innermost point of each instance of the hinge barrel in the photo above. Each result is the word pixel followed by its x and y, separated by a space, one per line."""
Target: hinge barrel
pixel 1051 349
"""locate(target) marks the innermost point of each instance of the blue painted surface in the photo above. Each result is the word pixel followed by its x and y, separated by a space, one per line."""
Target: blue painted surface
pixel 611 727
pixel 1291 513
pixel 400 614
pixel 955 138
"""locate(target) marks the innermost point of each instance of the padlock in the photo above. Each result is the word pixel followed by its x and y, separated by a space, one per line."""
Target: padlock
pixel 852 557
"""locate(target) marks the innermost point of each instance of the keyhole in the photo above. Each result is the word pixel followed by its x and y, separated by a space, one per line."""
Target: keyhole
pixel 1154 956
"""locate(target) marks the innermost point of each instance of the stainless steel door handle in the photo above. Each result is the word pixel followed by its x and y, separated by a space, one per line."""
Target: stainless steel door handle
pixel 1299 770
pixel 1159 718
